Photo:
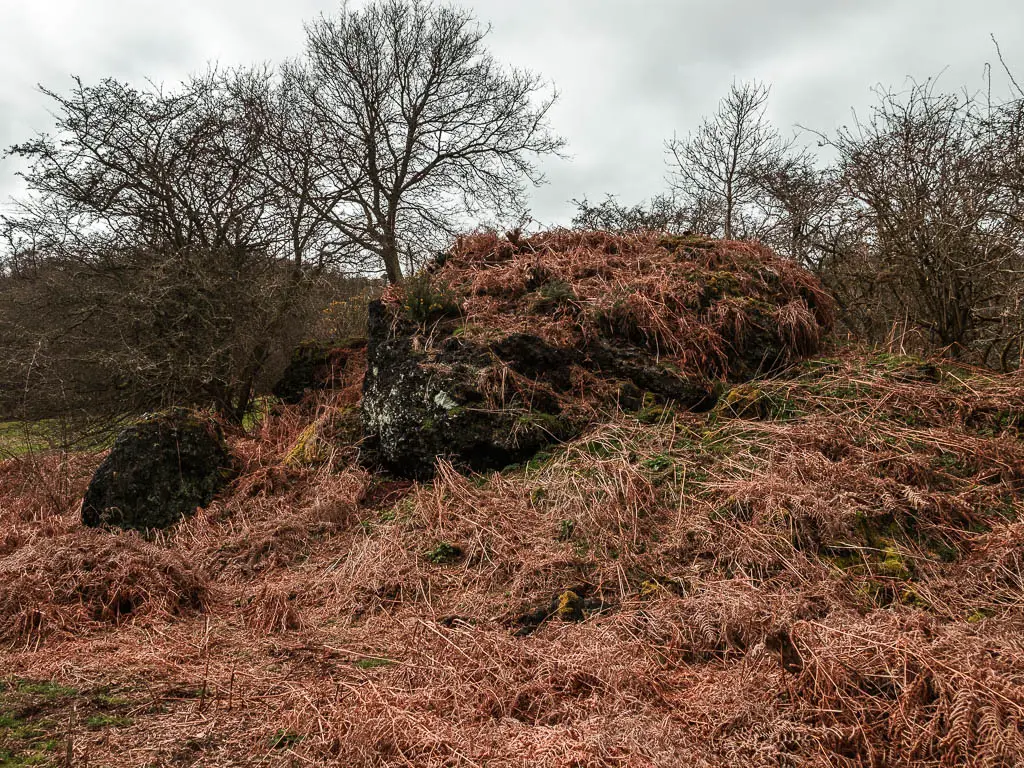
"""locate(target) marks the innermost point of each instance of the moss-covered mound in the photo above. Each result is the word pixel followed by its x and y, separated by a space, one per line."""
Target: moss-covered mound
pixel 505 345
pixel 157 473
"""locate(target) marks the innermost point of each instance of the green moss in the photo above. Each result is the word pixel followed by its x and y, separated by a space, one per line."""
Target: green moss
pixel 655 414
pixel 550 424
pixel 892 564
pixel 374 663
pixel 9 759
pixel 26 740
pixel 980 614
pixel 753 401
pixel 603 449
pixel 650 588
pixel 47 689
pixel 566 528
pixel 97 722
pixel 553 296
pixel 910 596
pixel 569 607
pixel 658 463
pixel 21 729
pixel 720 284
pixel 677 243
pixel 258 412
pixel 538 462
pixel 283 739
pixel 309 449
pixel 443 552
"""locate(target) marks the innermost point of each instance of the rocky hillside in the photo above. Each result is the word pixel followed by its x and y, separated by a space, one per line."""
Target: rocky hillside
pixel 819 560
pixel 504 346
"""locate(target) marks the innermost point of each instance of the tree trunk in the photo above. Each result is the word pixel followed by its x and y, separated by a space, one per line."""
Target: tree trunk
pixel 392 263
pixel 727 233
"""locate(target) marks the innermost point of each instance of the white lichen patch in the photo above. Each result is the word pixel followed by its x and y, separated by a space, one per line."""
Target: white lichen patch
pixel 444 400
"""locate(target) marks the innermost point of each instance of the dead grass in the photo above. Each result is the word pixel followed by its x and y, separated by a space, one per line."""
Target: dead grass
pixel 709 307
pixel 832 578
pixel 71 583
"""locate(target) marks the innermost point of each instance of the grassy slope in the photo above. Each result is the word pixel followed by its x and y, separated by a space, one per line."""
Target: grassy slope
pixel 18 438
pixel 824 570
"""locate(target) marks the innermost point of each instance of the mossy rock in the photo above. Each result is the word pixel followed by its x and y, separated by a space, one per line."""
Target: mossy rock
pixel 309 448
pixel 749 401
pixel 158 472
pixel 570 606
pixel 419 406
pixel 429 395
pixel 574 604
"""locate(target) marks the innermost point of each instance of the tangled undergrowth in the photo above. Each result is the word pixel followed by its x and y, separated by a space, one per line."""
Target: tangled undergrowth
pixel 826 569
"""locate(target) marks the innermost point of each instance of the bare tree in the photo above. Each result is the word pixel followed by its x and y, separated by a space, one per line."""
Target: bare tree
pixel 152 262
pixel 727 157
pixel 802 208
pixel 415 125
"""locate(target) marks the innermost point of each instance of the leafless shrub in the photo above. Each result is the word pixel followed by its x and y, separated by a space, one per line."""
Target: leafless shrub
pixel 942 240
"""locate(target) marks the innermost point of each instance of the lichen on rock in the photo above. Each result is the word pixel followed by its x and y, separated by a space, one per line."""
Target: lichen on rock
pixel 419 405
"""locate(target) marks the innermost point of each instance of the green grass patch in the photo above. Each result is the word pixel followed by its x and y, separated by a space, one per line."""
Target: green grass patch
pixel 283 739
pixel 258 412
pixel 443 552
pixel 373 663
pixel 34 716
pixel 20 437
pixel 46 689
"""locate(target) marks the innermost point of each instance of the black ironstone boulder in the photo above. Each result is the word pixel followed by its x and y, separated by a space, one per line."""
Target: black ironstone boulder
pixel 158 472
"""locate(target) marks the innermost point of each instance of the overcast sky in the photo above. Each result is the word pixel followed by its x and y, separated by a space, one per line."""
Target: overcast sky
pixel 629 73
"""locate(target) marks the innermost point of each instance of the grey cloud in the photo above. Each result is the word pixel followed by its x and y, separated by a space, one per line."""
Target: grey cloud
pixel 629 73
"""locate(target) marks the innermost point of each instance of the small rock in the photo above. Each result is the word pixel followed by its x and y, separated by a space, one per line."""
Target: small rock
pixel 571 605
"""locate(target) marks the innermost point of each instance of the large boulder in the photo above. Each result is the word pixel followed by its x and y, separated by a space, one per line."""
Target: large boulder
pixel 158 472
pixel 505 346
pixel 485 406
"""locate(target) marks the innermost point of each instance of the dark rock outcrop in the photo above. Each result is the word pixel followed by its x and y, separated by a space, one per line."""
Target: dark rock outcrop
pixel 507 345
pixel 536 359
pixel 425 401
pixel 316 366
pixel 420 405
pixel 639 369
pixel 157 473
